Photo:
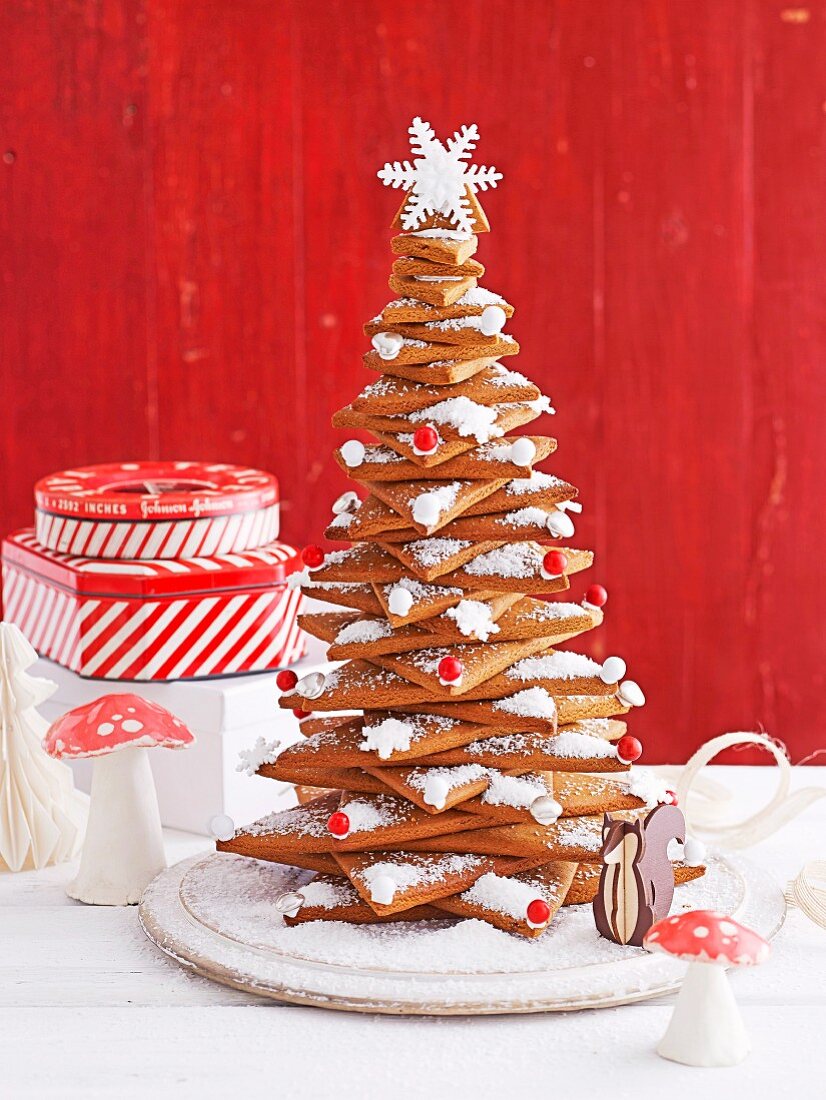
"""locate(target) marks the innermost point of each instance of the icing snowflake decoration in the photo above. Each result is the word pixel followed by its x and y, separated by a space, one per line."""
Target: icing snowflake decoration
pixel 439 176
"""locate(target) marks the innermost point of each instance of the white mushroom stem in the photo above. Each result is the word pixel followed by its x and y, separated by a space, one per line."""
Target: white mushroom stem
pixel 706 1028
pixel 123 848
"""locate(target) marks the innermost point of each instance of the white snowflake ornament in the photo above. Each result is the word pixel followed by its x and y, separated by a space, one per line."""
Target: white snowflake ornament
pixel 439 177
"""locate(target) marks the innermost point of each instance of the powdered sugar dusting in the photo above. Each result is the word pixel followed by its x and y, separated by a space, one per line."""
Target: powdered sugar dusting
pixel 379 811
pixel 580 746
pixel 362 632
pixel 508 896
pixel 644 784
pixel 432 552
pixel 518 559
pixel 559 665
pixel 518 791
pixel 466 416
pixel 325 894
pixel 531 703
pixel 537 482
pixel 474 619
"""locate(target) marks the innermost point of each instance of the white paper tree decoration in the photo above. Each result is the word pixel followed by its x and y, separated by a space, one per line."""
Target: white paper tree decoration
pixel 42 816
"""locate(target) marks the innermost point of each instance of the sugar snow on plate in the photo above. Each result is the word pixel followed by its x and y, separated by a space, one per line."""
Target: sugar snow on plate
pixel 217 915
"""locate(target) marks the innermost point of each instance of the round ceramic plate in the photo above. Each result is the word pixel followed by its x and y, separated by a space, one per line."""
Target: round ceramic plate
pixel 216 916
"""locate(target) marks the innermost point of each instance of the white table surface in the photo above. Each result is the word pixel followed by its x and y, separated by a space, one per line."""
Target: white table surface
pixel 88 1008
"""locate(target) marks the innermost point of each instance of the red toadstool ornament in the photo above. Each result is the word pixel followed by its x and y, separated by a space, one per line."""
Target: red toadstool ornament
pixel 123 847
pixel 706 1028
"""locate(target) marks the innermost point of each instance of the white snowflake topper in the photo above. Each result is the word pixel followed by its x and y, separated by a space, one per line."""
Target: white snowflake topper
pixel 262 752
pixel 438 178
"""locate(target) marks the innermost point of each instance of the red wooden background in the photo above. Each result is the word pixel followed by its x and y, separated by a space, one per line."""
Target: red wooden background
pixel 192 234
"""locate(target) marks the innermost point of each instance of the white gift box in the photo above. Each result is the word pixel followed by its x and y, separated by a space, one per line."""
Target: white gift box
pixel 226 715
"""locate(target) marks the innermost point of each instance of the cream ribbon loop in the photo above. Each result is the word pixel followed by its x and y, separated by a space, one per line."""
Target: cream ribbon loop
pixel 707 808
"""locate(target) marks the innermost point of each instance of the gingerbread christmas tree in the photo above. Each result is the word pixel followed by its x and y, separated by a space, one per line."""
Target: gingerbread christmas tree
pixel 473 779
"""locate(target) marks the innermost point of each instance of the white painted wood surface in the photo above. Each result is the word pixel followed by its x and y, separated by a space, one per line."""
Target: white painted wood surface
pixel 88 1008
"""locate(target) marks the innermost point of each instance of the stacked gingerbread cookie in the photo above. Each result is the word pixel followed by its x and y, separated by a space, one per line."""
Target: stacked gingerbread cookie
pixel 467 759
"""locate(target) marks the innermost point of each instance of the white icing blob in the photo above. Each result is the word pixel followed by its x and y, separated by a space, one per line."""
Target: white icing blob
pixel 569 506
pixel 347 502
pixel 694 852
pixel 493 320
pixel 427 509
pixel 400 601
pixel 221 827
pixel 311 686
pixel 289 902
pixel 630 694
pixel 383 890
pixel 523 451
pixel 612 671
pixel 560 525
pixel 545 809
pixel 452 683
pixel 353 452
pixel 436 789
pixel 388 344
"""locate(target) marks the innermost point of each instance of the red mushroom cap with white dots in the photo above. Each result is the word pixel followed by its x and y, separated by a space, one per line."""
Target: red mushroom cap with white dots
pixel 115 722
pixel 705 936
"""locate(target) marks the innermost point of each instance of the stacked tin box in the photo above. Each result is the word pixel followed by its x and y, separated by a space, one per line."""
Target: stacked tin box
pixel 155 571
pixel 167 575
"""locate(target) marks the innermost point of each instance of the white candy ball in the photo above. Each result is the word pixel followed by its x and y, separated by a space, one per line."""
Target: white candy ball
pixel 400 601
pixel 383 890
pixel 560 525
pixel 353 452
pixel 523 451
pixel 347 502
pixel 221 827
pixel 289 902
pixel 426 510
pixel 630 694
pixel 311 686
pixel 545 809
pixel 388 344
pixel 694 852
pixel 612 671
pixel 436 790
pixel 492 320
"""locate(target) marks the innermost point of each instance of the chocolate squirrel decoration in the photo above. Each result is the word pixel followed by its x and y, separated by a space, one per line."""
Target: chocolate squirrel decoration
pixel 636 885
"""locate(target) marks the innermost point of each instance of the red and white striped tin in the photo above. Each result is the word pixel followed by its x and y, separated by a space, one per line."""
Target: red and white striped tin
pixel 155 620
pixel 130 510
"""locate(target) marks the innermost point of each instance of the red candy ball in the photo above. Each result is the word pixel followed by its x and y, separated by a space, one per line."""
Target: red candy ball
pixel 339 824
pixel 629 749
pixel 286 679
pixel 302 713
pixel 555 563
pixel 426 439
pixel 596 596
pixel 539 912
pixel 450 669
pixel 312 556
